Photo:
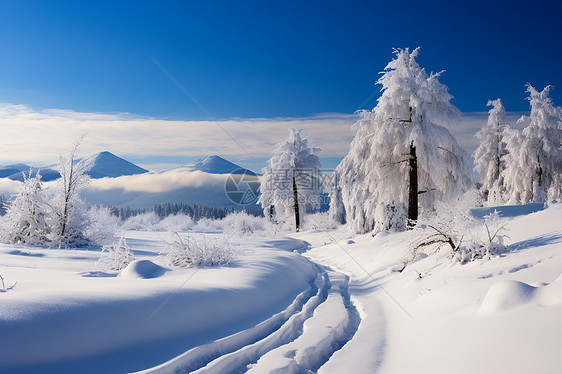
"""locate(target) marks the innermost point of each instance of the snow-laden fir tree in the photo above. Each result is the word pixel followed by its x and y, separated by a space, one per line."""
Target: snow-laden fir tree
pixel 25 220
pixel 489 157
pixel 337 210
pixel 68 217
pixel 534 164
pixel 412 110
pixel 291 160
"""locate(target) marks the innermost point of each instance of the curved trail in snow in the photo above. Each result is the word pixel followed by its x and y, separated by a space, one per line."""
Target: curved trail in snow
pixel 300 339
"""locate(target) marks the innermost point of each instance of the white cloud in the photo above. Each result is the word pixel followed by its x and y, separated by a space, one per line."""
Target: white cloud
pixel 37 135
pixel 8 186
pixel 158 182
pixel 30 135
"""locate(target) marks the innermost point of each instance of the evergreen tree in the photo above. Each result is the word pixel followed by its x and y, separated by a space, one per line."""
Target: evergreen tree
pixel 292 164
pixel 411 112
pixel 534 164
pixel 489 157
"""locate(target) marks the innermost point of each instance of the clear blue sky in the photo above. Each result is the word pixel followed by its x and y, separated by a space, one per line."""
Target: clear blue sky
pixel 268 59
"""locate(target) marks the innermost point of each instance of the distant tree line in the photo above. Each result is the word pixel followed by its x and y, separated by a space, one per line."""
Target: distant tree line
pixel 195 211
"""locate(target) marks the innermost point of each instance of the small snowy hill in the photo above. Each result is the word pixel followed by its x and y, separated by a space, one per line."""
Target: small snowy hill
pixel 16 171
pixel 215 165
pixel 106 164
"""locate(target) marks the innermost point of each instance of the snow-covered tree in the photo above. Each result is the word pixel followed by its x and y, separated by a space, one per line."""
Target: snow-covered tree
pixel 411 112
pixel 69 218
pixel 534 164
pixel 337 209
pixel 291 160
pixel 25 219
pixel 489 157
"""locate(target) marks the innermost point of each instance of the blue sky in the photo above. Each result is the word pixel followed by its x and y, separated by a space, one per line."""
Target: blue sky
pixel 251 59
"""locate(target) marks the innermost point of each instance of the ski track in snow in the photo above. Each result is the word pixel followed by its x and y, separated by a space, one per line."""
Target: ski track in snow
pixel 300 339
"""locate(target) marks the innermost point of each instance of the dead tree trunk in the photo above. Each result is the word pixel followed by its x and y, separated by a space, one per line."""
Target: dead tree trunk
pixel 296 205
pixel 413 189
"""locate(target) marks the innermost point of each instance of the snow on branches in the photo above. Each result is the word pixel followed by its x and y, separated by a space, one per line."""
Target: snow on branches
pixel 373 176
pixel 489 157
pixel 534 164
pixel 25 221
pixel 291 160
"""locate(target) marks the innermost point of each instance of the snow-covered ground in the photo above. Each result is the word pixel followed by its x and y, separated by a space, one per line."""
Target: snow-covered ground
pixel 319 301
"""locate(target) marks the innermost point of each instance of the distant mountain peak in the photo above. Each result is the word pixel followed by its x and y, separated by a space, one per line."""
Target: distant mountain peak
pixel 106 164
pixel 215 164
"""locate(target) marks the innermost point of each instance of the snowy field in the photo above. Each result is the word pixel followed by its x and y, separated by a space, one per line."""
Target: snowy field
pixel 319 301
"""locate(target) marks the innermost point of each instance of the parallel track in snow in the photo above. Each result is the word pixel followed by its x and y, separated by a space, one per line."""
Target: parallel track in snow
pixel 301 338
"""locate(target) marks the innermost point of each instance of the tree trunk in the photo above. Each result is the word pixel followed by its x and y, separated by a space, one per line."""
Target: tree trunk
pixel 296 205
pixel 413 190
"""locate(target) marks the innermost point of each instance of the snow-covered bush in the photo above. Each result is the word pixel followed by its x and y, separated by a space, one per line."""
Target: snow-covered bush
pixel 146 221
pixel 102 225
pixel 115 257
pixel 374 175
pixel 197 251
pixel 25 221
pixel 207 225
pixel 489 157
pixel 485 240
pixel 291 160
pixel 242 224
pixel 320 221
pixel 452 228
pixel 533 170
pixel 176 223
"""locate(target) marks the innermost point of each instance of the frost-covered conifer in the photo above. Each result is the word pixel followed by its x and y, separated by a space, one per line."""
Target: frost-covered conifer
pixel 534 164
pixel 413 107
pixel 292 158
pixel 25 219
pixel 489 157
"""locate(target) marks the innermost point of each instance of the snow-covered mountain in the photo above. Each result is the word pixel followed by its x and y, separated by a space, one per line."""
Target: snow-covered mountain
pixel 106 164
pixel 215 165
pixel 16 171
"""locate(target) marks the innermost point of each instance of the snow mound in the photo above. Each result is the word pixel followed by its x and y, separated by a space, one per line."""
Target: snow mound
pixel 509 294
pixel 143 269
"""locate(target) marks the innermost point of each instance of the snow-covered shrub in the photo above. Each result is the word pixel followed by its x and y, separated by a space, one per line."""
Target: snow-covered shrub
pixel 485 240
pixel 489 157
pixel 320 221
pixel 146 222
pixel 25 221
pixel 115 257
pixel 452 228
pixel 412 111
pixel 176 223
pixel 291 160
pixel 242 224
pixel 208 225
pixel 102 225
pixel 197 251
